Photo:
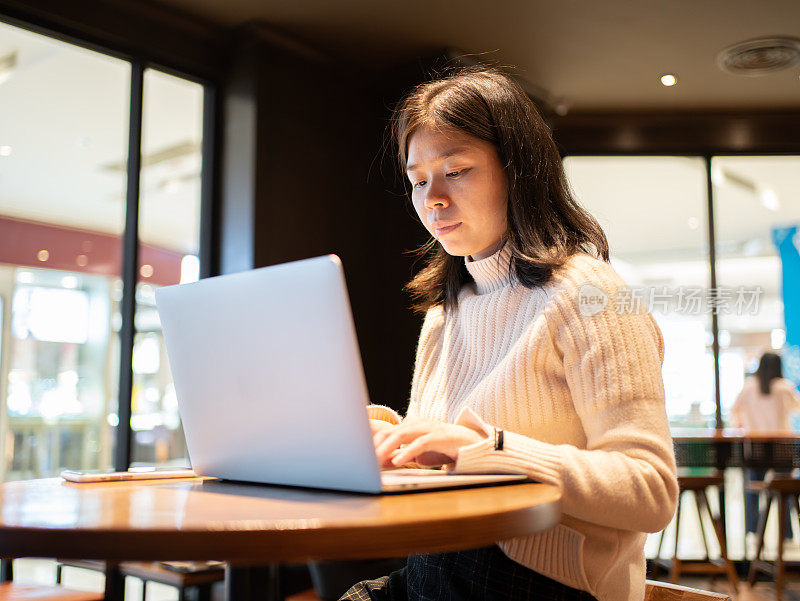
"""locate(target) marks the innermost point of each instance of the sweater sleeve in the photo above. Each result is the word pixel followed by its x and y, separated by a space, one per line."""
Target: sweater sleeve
pixel 383 413
pixel 625 477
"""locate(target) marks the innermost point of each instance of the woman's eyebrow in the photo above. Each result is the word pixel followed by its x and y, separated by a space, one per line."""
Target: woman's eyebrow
pixel 447 153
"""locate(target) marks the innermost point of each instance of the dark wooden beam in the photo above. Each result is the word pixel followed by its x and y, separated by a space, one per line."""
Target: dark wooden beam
pixel 696 133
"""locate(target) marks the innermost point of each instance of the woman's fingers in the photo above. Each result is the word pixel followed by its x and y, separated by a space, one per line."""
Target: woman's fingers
pixel 423 447
pixel 388 441
pixel 424 442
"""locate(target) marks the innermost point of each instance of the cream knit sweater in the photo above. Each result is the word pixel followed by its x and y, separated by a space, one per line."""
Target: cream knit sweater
pixel 575 382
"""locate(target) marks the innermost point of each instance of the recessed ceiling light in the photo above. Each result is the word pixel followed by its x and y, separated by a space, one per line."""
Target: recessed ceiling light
pixel 669 80
pixel 693 223
pixel 5 151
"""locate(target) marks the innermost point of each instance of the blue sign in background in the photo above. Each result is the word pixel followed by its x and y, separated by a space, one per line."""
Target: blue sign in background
pixel 787 240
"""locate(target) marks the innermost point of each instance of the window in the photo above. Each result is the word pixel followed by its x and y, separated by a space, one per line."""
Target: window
pixel 64 140
pixel 757 214
pixel 654 211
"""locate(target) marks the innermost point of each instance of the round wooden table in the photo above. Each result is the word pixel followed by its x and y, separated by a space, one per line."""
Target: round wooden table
pixel 194 519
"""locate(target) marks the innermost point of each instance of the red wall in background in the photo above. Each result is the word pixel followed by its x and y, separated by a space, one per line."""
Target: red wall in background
pixel 82 251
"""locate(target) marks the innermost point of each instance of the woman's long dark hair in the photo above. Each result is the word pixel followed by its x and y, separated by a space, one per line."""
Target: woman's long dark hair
pixel 545 223
pixel 769 368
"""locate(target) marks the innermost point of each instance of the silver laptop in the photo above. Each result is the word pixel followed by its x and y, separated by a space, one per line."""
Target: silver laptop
pixel 270 384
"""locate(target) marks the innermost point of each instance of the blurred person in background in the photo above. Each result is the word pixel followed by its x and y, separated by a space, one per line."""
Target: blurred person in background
pixel 765 404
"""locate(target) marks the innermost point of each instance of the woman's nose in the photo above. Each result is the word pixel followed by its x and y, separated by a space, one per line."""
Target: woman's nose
pixel 436 197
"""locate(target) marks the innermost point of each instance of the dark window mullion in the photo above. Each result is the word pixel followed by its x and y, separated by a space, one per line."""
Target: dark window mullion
pixel 130 268
pixel 712 257
pixel 208 233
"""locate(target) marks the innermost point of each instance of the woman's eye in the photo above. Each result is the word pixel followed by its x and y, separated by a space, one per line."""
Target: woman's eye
pixel 420 184
pixel 454 174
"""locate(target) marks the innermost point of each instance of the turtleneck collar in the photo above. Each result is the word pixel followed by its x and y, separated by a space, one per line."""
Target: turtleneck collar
pixel 491 273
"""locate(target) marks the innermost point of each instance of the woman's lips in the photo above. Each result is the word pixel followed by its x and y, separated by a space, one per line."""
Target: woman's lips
pixel 441 231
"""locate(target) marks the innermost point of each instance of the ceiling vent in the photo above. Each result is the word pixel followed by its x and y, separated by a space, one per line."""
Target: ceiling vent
pixel 758 57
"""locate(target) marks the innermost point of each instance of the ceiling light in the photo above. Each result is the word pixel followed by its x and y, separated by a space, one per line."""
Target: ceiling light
pixel 669 80
pixel 769 199
pixel 5 151
pixel 694 223
pixel 8 65
pixel 43 255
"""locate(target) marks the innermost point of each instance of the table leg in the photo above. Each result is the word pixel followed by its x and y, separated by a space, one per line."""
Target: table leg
pixel 722 514
pixel 115 583
pixel 249 583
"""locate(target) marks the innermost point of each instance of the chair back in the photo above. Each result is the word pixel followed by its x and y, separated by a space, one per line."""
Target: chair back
pixel 662 591
pixel 781 455
pixel 707 453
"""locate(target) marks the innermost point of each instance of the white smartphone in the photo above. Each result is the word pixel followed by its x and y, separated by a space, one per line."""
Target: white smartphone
pixel 136 473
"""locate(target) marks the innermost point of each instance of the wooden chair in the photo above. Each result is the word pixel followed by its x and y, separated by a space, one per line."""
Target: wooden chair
pixel 781 489
pixel 661 591
pixel 12 591
pixel 153 571
pixel 698 480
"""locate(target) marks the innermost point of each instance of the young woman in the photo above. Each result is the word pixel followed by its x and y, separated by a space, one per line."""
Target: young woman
pixel 766 400
pixel 523 341
pixel 764 404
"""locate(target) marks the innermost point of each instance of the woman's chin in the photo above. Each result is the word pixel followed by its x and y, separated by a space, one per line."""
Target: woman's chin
pixel 454 249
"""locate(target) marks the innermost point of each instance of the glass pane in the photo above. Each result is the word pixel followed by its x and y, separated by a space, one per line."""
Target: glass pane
pixel 63 151
pixel 654 212
pixel 169 233
pixel 757 211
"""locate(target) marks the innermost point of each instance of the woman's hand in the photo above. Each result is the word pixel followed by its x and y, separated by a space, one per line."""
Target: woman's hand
pixel 426 442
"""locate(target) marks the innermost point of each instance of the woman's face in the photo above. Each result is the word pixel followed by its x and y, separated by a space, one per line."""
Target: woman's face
pixel 459 190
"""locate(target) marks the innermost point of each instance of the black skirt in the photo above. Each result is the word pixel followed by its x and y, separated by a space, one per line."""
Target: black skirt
pixel 485 573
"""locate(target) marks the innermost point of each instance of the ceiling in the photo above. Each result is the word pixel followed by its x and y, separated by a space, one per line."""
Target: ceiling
pixel 596 55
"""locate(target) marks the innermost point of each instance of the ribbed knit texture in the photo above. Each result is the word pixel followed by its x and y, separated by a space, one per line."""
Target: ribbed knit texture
pixel 580 396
